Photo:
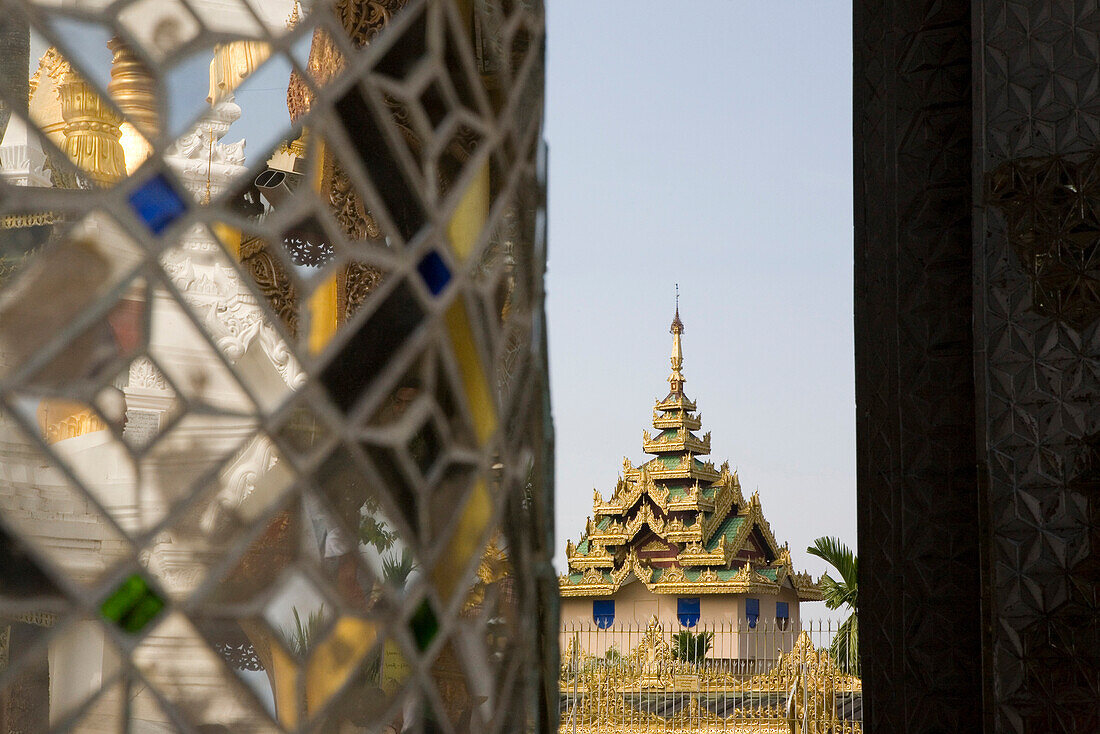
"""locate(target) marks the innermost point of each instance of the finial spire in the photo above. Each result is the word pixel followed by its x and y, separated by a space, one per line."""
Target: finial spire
pixel 676 379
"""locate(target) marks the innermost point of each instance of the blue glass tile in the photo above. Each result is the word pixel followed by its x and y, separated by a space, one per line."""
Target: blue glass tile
pixel 435 272
pixel 157 204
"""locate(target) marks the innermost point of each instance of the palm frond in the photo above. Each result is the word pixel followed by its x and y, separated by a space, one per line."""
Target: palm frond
pixel 302 637
pixel 836 593
pixel 839 556
pixel 691 647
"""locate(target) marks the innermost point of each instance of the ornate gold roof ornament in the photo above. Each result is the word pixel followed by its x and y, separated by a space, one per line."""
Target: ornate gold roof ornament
pixel 592 576
pixel 43 99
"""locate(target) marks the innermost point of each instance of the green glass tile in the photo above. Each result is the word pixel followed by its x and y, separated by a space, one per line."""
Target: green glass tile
pixel 133 605
pixel 424 625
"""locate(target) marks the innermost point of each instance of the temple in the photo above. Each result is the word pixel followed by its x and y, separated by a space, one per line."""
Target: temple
pixel 677 540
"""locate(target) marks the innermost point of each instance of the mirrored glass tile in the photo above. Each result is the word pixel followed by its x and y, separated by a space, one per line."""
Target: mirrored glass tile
pixel 181 666
pixel 54 520
pixel 159 26
pixel 372 344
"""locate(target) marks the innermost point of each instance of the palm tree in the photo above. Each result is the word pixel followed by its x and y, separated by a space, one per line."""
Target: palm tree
pixel 690 647
pixel 396 568
pixel 845 645
pixel 302 637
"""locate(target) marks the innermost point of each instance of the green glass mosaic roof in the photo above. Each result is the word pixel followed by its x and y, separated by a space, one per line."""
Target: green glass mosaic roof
pixel 729 528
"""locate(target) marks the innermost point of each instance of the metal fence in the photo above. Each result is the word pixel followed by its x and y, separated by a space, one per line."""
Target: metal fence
pixel 793 678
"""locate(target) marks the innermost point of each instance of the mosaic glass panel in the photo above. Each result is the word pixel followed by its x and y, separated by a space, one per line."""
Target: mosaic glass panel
pixel 274 427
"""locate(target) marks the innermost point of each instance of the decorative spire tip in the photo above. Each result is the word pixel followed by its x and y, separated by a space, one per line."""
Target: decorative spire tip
pixel 677 325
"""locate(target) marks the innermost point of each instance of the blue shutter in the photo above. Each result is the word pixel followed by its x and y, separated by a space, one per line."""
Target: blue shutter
pixel 603 612
pixel 782 615
pixel 752 611
pixel 688 611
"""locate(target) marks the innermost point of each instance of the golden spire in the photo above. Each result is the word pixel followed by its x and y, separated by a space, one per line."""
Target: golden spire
pixel 234 62
pixel 676 379
pixel 132 89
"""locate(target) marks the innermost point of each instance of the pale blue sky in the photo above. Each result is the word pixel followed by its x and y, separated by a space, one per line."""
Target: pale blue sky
pixel 705 143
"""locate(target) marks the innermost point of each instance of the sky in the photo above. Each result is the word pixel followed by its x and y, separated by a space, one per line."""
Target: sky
pixel 706 144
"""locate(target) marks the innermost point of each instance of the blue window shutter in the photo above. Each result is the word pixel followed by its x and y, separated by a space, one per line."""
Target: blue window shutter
pixel 603 612
pixel 752 611
pixel 782 610
pixel 687 609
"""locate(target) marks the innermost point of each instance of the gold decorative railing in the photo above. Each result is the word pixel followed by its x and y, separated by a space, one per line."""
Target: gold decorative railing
pixel 699 681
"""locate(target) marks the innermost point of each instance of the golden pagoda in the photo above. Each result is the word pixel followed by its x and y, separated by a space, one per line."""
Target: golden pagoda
pixel 678 540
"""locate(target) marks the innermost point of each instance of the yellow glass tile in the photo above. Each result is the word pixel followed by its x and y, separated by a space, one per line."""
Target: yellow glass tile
pixel 470 214
pixel 323 315
pixel 473 376
pixel 465 542
pixel 336 659
pixel 230 238
pixel 284 671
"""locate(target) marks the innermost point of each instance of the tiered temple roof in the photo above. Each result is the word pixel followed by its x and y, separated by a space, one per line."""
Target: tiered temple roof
pixel 677 523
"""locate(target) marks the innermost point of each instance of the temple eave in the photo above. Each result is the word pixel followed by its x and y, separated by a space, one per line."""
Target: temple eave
pixel 667 420
pixel 703 474
pixel 676 402
pixel 696 446
pixel 754 585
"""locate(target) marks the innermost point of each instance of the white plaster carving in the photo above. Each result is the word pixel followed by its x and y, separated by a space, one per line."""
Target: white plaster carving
pixel 22 161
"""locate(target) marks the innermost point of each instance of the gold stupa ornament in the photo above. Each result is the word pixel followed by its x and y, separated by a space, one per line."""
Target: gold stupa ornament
pixel 677 523
pixel 92 131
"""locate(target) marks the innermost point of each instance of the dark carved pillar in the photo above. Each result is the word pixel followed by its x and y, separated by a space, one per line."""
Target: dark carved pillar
pixel 1037 321
pixel 977 158
pixel 918 504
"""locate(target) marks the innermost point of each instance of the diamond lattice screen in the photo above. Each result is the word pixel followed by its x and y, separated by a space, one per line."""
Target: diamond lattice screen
pixel 274 435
